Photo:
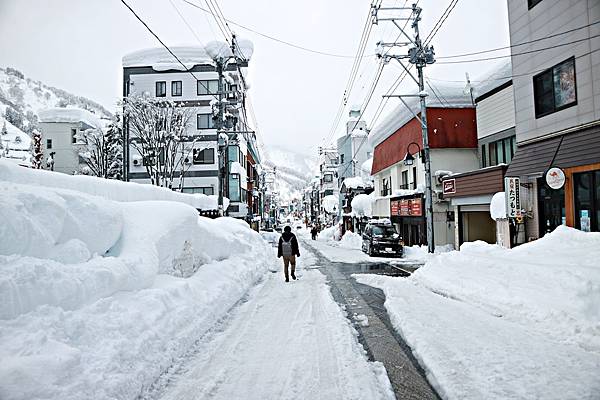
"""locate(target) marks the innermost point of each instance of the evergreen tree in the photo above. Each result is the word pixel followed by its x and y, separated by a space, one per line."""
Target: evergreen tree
pixel 114 146
pixel 37 155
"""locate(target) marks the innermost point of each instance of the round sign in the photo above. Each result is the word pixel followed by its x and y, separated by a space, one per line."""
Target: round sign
pixel 555 178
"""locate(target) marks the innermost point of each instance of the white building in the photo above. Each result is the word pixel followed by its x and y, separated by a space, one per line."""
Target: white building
pixel 61 129
pixel 154 72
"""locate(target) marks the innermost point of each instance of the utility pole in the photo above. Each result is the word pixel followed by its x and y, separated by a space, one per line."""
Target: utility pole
pixel 420 55
pixel 222 138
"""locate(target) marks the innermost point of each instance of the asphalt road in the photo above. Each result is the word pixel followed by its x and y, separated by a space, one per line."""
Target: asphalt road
pixel 378 337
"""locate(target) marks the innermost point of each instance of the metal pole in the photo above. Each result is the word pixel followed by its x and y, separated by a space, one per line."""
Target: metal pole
pixel 222 147
pixel 427 162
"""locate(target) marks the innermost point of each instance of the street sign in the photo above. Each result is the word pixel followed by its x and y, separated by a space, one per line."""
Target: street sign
pixel 513 199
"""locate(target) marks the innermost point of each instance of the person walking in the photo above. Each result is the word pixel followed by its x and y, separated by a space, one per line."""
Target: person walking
pixel 288 249
pixel 314 232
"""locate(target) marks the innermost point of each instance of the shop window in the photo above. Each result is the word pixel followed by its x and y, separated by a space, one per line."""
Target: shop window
pixel 587 201
pixel 555 89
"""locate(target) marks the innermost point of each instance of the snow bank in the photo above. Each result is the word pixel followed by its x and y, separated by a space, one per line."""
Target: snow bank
pixel 351 240
pixel 97 297
pixel 106 188
pixel 498 206
pixel 70 115
pixel 489 322
pixel 330 234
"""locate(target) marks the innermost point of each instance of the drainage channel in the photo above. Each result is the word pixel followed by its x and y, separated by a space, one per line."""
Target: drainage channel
pixel 377 336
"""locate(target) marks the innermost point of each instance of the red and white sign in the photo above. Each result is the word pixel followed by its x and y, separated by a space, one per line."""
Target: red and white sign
pixel 555 178
pixel 449 186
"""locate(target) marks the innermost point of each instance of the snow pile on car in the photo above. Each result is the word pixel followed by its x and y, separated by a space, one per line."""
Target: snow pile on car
pixel 97 296
pixel 488 322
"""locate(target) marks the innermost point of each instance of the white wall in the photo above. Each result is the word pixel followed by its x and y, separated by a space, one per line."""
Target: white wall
pixel 496 113
pixel 66 159
pixel 546 18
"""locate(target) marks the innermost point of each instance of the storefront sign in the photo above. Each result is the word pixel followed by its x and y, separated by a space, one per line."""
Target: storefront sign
pixel 449 186
pixel 555 178
pixel 513 201
pixel 394 206
pixel 410 208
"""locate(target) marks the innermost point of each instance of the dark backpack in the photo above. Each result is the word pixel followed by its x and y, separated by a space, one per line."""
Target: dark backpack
pixel 286 247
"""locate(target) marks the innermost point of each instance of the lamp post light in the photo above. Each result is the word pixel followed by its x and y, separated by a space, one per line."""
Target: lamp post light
pixel 408 158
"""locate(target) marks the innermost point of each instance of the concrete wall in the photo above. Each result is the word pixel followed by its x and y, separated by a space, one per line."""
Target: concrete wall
pixel 546 18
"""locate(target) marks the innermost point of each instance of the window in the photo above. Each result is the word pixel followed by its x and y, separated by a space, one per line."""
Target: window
pixel 234 187
pixel 328 178
pixel 532 3
pixel 49 144
pixel 208 87
pixel 176 88
pixel 404 180
pixel 209 191
pixel 341 158
pixel 73 135
pixel 499 151
pixel 161 89
pixel 483 156
pixel 385 187
pixel 328 192
pixel 555 89
pixel 233 154
pixel 206 156
pixel 414 174
pixel 205 121
pixel 493 156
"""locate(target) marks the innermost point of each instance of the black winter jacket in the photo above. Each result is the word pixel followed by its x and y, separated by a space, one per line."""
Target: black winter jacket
pixel 286 236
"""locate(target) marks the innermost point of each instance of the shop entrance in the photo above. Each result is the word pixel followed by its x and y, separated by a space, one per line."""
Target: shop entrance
pixel 477 225
pixel 587 200
pixel 551 207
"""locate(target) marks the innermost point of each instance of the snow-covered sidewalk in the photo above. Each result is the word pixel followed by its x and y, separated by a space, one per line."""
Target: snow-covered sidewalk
pixel 492 323
pixel 288 341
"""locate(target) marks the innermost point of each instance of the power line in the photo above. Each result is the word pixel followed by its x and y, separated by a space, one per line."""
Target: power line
pixel 166 47
pixel 519 44
pixel 270 37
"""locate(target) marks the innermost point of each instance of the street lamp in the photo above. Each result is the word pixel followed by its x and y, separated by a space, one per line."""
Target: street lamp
pixel 408 158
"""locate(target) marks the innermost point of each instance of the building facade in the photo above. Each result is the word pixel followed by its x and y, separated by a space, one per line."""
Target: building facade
pixel 557 112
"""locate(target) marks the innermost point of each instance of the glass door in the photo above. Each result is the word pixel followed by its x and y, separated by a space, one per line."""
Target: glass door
pixel 551 207
pixel 587 201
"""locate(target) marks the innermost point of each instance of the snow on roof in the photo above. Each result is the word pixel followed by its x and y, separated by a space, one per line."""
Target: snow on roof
pixel 69 115
pixel 15 138
pixel 355 182
pixel 362 205
pixel 330 203
pixel 442 96
pixel 161 60
pixel 359 133
pixel 493 79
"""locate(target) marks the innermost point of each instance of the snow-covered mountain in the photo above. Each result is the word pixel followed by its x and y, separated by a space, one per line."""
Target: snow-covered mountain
pixel 21 99
pixel 294 171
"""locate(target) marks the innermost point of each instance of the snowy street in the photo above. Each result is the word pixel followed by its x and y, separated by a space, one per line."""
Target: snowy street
pixel 287 341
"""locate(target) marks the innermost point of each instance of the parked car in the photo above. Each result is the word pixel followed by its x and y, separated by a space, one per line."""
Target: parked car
pixel 381 238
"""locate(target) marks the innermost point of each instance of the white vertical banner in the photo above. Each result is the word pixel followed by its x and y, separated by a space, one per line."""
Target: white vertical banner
pixel 513 198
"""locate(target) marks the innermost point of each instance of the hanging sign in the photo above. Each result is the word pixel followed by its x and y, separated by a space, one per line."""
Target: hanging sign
pixel 513 200
pixel 449 186
pixel 555 178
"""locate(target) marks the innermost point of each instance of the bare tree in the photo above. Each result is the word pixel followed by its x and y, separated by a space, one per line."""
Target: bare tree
pixel 102 150
pixel 157 130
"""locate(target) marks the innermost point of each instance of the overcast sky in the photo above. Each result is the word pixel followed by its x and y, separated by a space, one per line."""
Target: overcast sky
pixel 77 46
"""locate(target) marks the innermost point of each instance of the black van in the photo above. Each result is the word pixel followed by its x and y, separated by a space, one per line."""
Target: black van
pixel 381 238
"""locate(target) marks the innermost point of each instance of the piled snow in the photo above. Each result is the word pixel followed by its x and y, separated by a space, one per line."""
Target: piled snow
pixel 108 189
pixel 362 205
pixel 161 60
pixel 333 233
pixel 498 206
pixel 17 142
pixel 351 240
pixel 356 182
pixel 329 203
pixel 448 96
pixel 69 115
pixel 97 297
pixel 494 323
pixel 367 166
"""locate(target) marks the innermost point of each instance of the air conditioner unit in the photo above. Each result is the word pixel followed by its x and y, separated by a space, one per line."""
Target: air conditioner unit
pixel 136 161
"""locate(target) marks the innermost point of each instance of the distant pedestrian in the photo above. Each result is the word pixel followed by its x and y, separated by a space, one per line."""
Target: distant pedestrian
pixel 288 249
pixel 314 232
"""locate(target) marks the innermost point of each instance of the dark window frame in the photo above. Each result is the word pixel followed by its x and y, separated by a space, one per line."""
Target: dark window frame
pixel 174 85
pixel 196 160
pixel 538 77
pixel 532 3
pixel 210 123
pixel 49 144
pixel 163 92
pixel 203 189
pixel 73 135
pixel 203 85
